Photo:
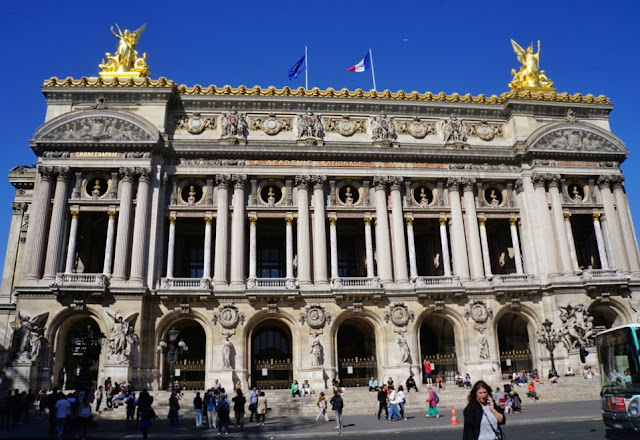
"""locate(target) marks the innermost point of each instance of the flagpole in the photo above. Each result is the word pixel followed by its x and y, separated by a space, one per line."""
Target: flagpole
pixel 306 71
pixel 373 72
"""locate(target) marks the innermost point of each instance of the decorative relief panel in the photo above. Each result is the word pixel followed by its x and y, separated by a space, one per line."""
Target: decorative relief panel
pixel 399 314
pixel 417 128
pixel 195 123
pixel 453 131
pixel 346 126
pixel 483 130
pixel 316 316
pixel 382 128
pixel 228 316
pixel 233 125
pixel 575 139
pixel 98 128
pixel 309 125
pixel 271 124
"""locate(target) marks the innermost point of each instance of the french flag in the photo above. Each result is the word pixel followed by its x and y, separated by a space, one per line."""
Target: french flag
pixel 364 64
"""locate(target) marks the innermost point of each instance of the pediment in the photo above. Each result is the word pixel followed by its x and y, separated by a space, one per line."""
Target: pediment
pixel 575 138
pixel 97 127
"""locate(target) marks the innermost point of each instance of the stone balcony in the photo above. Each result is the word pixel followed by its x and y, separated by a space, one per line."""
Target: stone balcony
pixel 272 283
pixel 513 279
pixel 595 279
pixel 182 286
pixel 80 282
pixel 359 283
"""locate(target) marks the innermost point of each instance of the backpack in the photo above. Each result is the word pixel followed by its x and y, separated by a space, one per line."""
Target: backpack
pixel 436 398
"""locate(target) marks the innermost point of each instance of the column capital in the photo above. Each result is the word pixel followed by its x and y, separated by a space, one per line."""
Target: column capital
pixel 111 213
pixel 240 180
pixel 303 181
pixel 172 219
pixel 208 220
pixel 409 220
pixel 617 181
pixel 253 220
pixel 604 181
pixel 553 180
pixel 144 174
pixel 367 221
pixel 289 220
pixel 468 183
pixel 75 213
pixel 513 221
pixel 47 173
pixel 395 183
pixel 127 174
pixel 380 182
pixel 333 220
pixel 482 220
pixel 318 181
pixel 518 185
pixel 540 179
pixel 567 216
pixel 63 173
pixel 443 221
pixel 596 216
pixel 223 180
pixel 19 207
pixel 454 184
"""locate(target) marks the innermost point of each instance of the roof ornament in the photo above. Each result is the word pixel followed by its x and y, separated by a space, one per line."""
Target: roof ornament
pixel 529 77
pixel 125 63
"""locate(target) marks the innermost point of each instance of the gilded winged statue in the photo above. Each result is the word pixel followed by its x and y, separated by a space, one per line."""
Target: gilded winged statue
pixel 529 76
pixel 125 62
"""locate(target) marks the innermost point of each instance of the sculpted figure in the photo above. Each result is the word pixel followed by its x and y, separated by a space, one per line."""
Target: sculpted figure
pixel 453 130
pixel 309 125
pixel 27 339
pixel 233 124
pixel 317 352
pixel 382 128
pixel 226 352
pixel 529 75
pixel 122 339
pixel 405 351
pixel 126 58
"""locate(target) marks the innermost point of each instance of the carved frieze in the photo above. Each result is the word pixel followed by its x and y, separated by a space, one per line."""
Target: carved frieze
pixel 453 131
pixel 575 139
pixel 478 311
pixel 271 124
pixel 484 130
pixel 346 126
pixel 233 125
pixel 417 128
pixel 316 316
pixel 229 316
pixel 98 128
pixel 382 128
pixel 195 123
pixel 399 314
pixel 207 162
pixel 309 125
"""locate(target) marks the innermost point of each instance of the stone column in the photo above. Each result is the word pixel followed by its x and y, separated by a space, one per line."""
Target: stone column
pixel 525 196
pixel 238 219
pixel 444 243
pixel 485 247
pixel 71 248
pixel 413 267
pixel 319 232
pixel 383 243
pixel 58 216
pixel 206 271
pixel 140 228
pixel 108 250
pixel 600 241
pixel 613 225
pixel 304 248
pixel 399 247
pixel 121 262
pixel 333 237
pixel 13 243
pixel 38 225
pixel 572 245
pixel 222 232
pixel 171 245
pixel 547 260
pixel 368 245
pixel 289 245
pixel 253 258
pixel 558 221
pixel 607 240
pixel 459 244
pixel 626 226
pixel 515 241
pixel 473 238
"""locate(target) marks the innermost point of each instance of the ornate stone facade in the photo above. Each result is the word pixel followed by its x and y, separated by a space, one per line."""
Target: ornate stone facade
pixel 311 244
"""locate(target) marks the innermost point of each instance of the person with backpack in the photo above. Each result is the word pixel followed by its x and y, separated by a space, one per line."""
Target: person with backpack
pixel 432 400
pixel 238 410
pixel 322 404
pixel 223 412
pixel 337 405
pixel 197 407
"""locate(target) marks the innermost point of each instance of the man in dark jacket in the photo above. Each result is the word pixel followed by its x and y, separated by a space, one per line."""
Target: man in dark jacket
pixel 382 402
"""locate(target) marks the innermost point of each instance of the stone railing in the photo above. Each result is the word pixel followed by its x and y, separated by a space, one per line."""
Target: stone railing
pixel 513 278
pixel 80 280
pixel 436 282
pixel 185 283
pixel 603 274
pixel 272 283
pixel 356 283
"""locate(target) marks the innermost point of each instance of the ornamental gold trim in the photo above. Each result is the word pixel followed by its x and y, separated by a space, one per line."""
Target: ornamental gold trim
pixel 329 93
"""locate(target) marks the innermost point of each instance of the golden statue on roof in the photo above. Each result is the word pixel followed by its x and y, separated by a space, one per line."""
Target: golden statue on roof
pixel 529 77
pixel 125 63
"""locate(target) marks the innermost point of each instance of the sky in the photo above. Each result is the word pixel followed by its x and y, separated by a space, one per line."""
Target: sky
pixel 437 46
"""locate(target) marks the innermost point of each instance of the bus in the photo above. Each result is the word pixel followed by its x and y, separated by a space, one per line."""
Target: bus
pixel 619 358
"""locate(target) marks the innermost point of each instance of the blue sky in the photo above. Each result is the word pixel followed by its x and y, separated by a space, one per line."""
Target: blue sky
pixel 587 47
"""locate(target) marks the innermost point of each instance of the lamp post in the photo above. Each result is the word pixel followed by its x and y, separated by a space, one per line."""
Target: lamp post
pixel 86 346
pixel 174 351
pixel 550 339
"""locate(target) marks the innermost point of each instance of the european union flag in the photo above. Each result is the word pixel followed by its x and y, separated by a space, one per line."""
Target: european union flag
pixel 298 68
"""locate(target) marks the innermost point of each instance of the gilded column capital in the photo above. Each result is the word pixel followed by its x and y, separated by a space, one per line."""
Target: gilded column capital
pixel 127 174
pixel 333 220
pixel 47 173
pixel 75 213
pixel 395 183
pixel 172 219
pixel 367 221
pixel 289 220
pixel 518 185
pixel 223 180
pixel 454 184
pixel 19 207
pixel 318 181
pixel 409 220
pixel 567 216
pixel 604 181
pixel 253 220
pixel 482 221
pixel 303 181
pixel 112 214
pixel 240 181
pixel 207 220
pixel 380 182
pixel 513 221
pixel 596 216
pixel 443 221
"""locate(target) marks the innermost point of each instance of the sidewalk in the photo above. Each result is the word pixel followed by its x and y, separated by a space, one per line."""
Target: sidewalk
pixel 305 427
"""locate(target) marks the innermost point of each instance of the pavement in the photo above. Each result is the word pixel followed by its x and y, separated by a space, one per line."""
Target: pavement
pixel 306 427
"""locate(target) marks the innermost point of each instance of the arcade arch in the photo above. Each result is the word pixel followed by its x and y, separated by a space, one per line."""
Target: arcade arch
pixel 271 352
pixel 514 343
pixel 438 346
pixel 190 366
pixel 356 352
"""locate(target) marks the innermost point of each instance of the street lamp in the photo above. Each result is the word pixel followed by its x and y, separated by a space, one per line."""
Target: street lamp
pixel 86 346
pixel 174 351
pixel 550 339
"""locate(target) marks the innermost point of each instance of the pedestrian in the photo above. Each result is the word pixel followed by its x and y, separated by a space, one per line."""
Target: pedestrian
pixel 99 395
pixel 382 402
pixel 51 406
pixel 197 407
pixel 210 403
pixel 253 403
pixel 432 401
pixel 29 400
pixel 401 399
pixel 83 416
pixel 411 383
pixel 262 408
pixel 130 404
pixel 336 406
pixel 42 402
pixel 223 412
pixel 238 410
pixel 5 408
pixel 482 417
pixel 295 389
pixel 111 392
pixel 427 372
pixel 62 409
pixel 174 407
pixel 322 404
pixel 146 412
pixel 393 405
pixel 16 407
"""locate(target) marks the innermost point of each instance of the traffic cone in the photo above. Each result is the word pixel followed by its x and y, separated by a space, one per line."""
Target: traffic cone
pixel 454 418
